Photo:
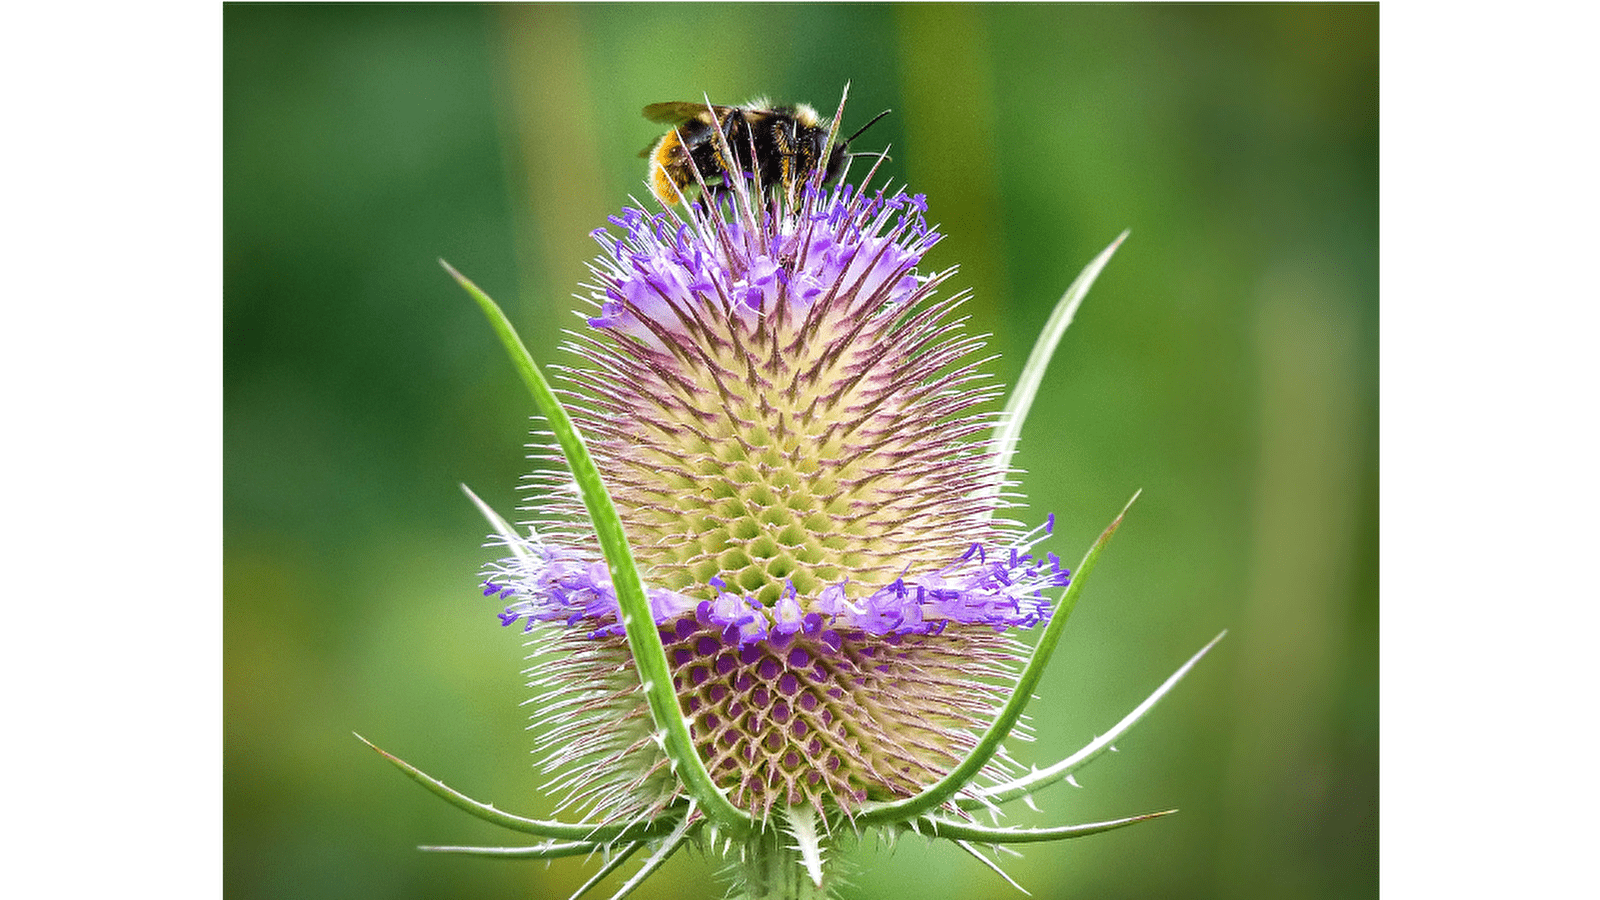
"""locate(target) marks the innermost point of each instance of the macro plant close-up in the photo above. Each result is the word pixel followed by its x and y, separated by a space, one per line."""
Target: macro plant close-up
pixel 772 581
pixel 951 467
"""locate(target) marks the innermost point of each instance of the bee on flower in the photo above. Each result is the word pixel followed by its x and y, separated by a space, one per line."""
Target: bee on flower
pixel 775 578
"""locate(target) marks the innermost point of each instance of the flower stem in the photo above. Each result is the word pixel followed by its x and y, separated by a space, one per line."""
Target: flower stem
pixel 771 868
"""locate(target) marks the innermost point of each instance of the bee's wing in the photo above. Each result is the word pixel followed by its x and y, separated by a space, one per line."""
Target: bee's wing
pixel 678 112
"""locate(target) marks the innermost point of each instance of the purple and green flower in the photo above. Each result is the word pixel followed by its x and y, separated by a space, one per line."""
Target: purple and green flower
pixel 778 579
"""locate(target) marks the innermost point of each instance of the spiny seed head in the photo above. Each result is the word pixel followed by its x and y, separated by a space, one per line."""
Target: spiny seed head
pixel 786 418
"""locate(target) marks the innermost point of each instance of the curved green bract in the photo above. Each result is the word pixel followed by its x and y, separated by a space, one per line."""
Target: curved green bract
pixel 962 774
pixel 1020 401
pixel 542 851
pixel 965 831
pixel 590 833
pixel 644 642
pixel 1027 784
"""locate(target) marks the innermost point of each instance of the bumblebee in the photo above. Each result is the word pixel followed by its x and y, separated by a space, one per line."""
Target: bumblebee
pixel 781 145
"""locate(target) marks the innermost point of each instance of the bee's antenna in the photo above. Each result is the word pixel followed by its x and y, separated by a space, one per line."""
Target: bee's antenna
pixel 881 155
pixel 870 123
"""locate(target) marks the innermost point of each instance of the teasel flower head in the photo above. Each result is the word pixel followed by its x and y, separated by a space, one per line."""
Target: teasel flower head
pixel 775 579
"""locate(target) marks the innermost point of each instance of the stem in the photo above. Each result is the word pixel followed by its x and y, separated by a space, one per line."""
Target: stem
pixel 771 868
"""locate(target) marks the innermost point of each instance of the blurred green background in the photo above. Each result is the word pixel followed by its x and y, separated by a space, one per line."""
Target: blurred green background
pixel 1226 363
